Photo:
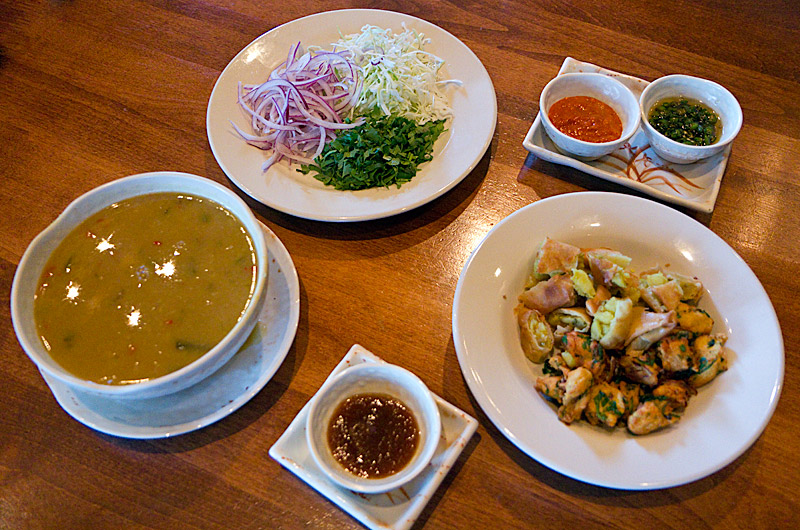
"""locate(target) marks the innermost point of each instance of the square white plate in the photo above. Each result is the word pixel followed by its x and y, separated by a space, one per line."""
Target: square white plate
pixel 393 510
pixel 635 164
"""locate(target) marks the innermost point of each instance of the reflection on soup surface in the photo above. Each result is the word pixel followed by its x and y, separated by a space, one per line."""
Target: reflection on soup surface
pixel 144 287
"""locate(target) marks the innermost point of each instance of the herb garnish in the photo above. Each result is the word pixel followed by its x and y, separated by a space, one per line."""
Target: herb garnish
pixel 383 151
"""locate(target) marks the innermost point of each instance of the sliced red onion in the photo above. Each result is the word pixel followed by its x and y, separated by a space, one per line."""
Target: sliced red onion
pixel 301 105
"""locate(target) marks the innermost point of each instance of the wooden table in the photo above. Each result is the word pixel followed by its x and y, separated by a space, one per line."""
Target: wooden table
pixel 94 91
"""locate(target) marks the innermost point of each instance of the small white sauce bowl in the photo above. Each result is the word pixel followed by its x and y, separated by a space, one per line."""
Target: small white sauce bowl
pixel 598 86
pixel 26 280
pixel 369 378
pixel 712 94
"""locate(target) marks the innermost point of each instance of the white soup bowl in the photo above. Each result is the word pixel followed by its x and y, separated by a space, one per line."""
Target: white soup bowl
pixel 29 271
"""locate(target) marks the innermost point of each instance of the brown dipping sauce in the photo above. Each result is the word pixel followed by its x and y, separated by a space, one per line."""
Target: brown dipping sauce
pixel 585 118
pixel 373 435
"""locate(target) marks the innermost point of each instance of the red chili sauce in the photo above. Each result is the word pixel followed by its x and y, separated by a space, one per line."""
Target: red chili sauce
pixel 585 118
pixel 373 435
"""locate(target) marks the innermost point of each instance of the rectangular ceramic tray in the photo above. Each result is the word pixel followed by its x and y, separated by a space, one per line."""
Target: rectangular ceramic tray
pixel 393 510
pixel 635 164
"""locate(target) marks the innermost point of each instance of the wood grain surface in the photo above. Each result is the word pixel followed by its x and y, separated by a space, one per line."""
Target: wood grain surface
pixel 91 91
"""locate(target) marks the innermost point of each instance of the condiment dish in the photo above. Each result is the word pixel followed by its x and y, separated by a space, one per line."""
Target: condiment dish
pixel 602 87
pixel 386 379
pixel 712 94
pixel 35 258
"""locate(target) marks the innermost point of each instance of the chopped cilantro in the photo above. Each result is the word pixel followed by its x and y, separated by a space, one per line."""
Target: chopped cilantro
pixel 384 151
pixel 550 369
pixel 605 405
pixel 703 365
pixel 645 360
pixel 599 353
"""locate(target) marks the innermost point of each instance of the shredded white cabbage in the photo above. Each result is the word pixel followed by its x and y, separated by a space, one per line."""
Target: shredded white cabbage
pixel 399 76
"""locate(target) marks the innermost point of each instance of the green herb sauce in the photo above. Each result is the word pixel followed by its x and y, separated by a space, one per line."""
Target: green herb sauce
pixel 686 121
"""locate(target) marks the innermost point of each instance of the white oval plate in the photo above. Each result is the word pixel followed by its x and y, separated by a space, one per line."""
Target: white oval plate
pixel 722 420
pixel 456 152
pixel 221 393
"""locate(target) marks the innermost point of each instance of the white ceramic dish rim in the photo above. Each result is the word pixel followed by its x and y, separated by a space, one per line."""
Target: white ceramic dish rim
pixel 456 153
pixel 74 403
pixel 724 419
pixel 346 383
pixel 630 126
pixel 95 200
pixel 697 150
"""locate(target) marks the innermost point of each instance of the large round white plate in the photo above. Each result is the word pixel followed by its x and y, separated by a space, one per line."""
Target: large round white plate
pixel 220 394
pixel 722 420
pixel 456 153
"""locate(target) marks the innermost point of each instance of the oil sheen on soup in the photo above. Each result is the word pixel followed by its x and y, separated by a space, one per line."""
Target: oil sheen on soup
pixel 144 287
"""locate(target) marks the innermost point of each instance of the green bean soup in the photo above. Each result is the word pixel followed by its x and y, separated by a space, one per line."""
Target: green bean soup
pixel 144 287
